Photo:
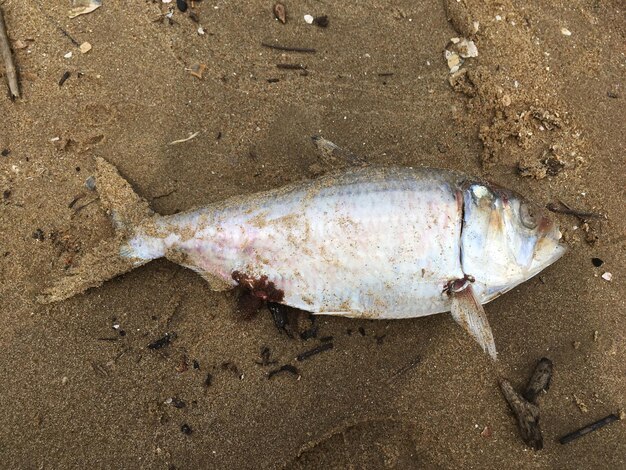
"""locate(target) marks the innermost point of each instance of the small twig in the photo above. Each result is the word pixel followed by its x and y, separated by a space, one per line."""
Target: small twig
pixel 565 209
pixel 589 428
pixel 9 66
pixel 286 368
pixel 291 66
pixel 312 352
pixel 80 208
pixel 288 48
pixel 404 369
pixel 65 76
pixel 180 141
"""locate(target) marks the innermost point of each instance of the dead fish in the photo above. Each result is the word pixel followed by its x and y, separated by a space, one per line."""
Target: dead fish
pixel 375 243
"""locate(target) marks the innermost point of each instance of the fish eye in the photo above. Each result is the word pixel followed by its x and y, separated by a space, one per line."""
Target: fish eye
pixel 528 216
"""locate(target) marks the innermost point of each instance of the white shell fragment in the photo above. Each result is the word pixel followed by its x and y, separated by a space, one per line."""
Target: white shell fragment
pixel 82 7
pixel 68 55
pixel 607 276
pixel 85 47
pixel 467 48
pixel 453 60
pixel 308 19
pixel 566 32
pixel 457 50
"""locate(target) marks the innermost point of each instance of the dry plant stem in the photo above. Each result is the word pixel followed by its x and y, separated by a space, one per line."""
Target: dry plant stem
pixel 9 66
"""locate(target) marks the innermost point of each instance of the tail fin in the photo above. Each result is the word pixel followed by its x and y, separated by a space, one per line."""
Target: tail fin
pixel 111 257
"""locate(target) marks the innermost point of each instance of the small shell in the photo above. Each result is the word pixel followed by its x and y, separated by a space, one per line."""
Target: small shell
pixel 82 7
pixel 280 12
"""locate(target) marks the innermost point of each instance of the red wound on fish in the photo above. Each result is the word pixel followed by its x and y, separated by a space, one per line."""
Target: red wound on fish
pixel 256 291
pixel 259 287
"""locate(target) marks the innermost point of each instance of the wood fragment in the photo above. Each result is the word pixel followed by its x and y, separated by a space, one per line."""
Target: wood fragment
pixel 10 71
pixel 289 48
pixel 65 76
pixel 589 428
pixel 291 66
pixel 525 407
pixel 527 415
pixel 540 380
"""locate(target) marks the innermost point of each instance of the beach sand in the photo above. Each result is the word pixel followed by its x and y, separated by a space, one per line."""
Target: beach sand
pixel 538 111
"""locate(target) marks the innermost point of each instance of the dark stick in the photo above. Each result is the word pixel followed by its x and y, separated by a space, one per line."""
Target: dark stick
pixel 286 368
pixel 565 209
pixel 589 428
pixel 314 351
pixel 291 66
pixel 65 76
pixel 287 48
pixel 9 66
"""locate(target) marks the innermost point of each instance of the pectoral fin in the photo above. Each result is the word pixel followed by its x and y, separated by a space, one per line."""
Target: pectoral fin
pixel 469 313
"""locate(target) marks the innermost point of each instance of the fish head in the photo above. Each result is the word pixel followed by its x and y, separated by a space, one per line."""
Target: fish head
pixel 506 239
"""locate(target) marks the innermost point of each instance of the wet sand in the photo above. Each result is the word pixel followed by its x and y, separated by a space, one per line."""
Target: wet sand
pixel 538 111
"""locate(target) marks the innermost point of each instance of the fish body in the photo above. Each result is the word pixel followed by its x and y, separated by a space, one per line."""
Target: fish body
pixel 367 242
pixel 364 242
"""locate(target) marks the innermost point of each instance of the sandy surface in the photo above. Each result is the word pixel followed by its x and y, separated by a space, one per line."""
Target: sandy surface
pixel 76 393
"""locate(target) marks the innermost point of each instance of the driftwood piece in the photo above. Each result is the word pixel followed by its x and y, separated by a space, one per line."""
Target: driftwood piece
pixel 7 56
pixel 525 407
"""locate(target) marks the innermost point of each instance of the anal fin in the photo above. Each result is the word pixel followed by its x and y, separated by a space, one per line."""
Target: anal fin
pixel 469 313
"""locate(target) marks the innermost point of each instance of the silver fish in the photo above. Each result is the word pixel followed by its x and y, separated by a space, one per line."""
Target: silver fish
pixel 376 243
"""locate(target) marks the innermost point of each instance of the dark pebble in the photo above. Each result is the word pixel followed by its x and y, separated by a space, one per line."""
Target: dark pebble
pixel 5 152
pixel 362 331
pixel 321 21
pixel 162 342
pixel 196 364
pixel 208 380
pixel 597 262
pixel 38 235
pixel 612 94
pixel 186 429
pixel 178 403
pixel 182 5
